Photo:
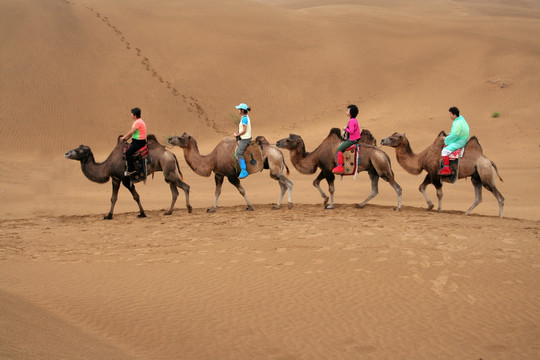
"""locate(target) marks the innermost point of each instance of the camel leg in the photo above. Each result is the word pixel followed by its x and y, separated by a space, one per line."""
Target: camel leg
pixel 374 189
pixel 236 182
pixel 114 197
pixel 438 186
pixel 174 193
pixel 498 196
pixel 317 183
pixel 129 185
pixel 286 185
pixel 422 189
pixel 289 184
pixel 175 184
pixel 396 187
pixel 330 177
pixel 182 185
pixel 282 187
pixel 487 177
pixel 219 183
pixel 477 193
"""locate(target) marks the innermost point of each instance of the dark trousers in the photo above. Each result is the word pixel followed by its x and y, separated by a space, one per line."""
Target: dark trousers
pixel 242 145
pixel 344 145
pixel 135 145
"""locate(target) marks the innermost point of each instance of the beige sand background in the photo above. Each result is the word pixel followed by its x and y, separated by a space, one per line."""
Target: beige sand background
pixel 305 283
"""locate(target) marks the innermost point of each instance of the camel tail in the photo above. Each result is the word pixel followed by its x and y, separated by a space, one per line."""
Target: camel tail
pixel 178 167
pixel 286 167
pixel 496 170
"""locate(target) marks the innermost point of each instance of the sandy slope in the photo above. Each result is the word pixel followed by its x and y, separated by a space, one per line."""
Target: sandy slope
pixel 286 284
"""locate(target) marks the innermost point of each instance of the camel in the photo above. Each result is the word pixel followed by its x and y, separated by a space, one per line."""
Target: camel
pixel 113 168
pixel 220 161
pixel 473 164
pixel 373 160
pixel 275 162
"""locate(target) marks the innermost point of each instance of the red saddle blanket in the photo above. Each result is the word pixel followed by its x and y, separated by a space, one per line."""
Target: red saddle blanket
pixel 456 154
pixel 351 159
pixel 142 153
pixel 141 159
pixel 454 166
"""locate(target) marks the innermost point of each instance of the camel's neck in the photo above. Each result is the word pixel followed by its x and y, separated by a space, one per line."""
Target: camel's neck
pixel 95 172
pixel 411 162
pixel 304 162
pixel 200 164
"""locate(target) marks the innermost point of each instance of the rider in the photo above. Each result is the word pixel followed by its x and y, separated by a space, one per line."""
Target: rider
pixel 458 137
pixel 354 135
pixel 138 139
pixel 244 133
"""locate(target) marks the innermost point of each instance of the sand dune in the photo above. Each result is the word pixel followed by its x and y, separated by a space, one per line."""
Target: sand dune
pixel 303 283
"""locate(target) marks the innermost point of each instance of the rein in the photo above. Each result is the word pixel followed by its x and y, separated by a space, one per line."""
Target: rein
pixel 368 145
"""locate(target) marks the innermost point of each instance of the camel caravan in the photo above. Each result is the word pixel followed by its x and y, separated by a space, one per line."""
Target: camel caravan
pixel 332 157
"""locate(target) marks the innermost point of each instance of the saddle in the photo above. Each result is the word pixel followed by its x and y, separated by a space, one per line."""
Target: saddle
pixel 141 158
pixel 454 166
pixel 351 159
pixel 253 156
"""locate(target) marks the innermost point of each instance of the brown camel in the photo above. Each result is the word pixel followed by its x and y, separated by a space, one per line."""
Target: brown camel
pixel 473 163
pixel 114 167
pixel 220 161
pixel 275 162
pixel 373 160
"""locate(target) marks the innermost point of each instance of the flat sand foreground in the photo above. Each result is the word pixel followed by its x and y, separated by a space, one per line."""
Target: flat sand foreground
pixel 305 283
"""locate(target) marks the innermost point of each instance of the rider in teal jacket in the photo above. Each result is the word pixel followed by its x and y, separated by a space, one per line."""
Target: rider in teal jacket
pixel 458 137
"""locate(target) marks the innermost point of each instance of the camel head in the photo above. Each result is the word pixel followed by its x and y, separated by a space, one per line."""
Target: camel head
pixel 80 153
pixel 261 140
pixel 394 140
pixel 292 142
pixel 180 141
pixel 367 137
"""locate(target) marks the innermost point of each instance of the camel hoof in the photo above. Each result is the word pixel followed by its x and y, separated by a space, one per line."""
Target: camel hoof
pixel 249 208
pixel 429 207
pixel 360 206
pixel 189 209
pixel 141 215
pixel 290 205
pixel 167 212
pixel 107 217
pixel 276 207
pixel 329 207
pixel 211 210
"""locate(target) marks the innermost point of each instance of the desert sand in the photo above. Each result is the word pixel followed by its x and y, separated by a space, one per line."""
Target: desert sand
pixel 299 283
